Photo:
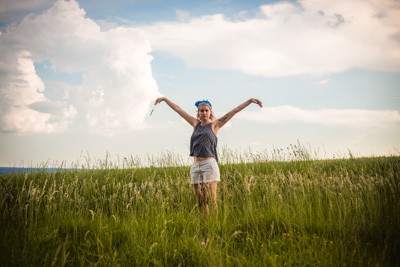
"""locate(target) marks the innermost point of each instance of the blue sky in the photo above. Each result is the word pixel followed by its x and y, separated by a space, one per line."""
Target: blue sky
pixel 78 78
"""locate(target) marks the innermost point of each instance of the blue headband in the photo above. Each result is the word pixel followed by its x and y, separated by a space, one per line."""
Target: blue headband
pixel 203 102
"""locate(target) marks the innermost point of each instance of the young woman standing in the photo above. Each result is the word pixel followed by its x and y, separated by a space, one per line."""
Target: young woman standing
pixel 204 171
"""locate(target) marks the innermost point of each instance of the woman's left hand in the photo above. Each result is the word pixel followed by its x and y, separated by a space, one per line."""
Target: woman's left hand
pixel 256 101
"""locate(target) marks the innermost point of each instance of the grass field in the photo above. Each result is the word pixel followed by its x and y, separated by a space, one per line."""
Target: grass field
pixel 338 212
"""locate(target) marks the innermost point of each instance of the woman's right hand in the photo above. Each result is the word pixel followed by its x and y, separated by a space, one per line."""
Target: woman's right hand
pixel 159 100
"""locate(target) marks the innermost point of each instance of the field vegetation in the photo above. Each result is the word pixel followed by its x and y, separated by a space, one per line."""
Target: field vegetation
pixel 286 209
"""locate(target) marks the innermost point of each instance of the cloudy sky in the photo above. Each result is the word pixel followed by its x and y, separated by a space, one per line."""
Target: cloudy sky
pixel 78 78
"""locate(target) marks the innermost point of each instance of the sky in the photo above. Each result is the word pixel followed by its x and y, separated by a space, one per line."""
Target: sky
pixel 78 79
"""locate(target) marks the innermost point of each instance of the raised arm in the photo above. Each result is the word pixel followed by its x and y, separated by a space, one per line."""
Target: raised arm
pixel 190 119
pixel 224 119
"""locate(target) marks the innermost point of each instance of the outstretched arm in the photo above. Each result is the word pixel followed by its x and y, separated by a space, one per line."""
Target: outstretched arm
pixel 224 119
pixel 190 119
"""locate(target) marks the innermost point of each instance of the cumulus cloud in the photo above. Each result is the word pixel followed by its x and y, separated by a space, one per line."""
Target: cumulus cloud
pixel 117 83
pixel 20 88
pixel 327 117
pixel 289 38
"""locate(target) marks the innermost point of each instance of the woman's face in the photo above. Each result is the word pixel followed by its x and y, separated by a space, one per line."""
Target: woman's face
pixel 204 112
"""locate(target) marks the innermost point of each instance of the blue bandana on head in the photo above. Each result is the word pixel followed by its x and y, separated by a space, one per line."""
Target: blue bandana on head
pixel 203 102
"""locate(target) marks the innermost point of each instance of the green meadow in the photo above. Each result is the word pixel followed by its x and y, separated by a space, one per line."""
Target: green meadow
pixel 293 211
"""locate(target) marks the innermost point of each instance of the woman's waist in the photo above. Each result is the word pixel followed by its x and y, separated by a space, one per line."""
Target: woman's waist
pixel 198 159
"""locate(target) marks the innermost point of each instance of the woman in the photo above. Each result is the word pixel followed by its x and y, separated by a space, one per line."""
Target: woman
pixel 203 148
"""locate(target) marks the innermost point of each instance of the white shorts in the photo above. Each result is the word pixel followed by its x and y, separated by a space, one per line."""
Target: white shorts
pixel 205 171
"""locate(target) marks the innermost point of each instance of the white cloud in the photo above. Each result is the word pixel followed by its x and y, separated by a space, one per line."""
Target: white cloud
pixel 22 99
pixel 289 38
pixel 115 65
pixel 327 117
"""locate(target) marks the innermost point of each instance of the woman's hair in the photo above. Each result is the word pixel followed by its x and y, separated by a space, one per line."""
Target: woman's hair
pixel 212 117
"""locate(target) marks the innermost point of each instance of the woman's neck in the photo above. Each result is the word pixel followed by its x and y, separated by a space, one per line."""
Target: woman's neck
pixel 205 122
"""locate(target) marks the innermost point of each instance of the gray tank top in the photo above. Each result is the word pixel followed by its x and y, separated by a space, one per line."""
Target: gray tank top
pixel 203 142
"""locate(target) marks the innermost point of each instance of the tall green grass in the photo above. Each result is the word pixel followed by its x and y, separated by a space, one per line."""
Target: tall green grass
pixel 296 212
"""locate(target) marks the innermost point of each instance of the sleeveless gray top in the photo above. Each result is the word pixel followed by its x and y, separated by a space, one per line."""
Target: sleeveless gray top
pixel 203 142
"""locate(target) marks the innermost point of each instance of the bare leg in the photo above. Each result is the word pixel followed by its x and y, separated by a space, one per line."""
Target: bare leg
pixel 212 189
pixel 204 192
pixel 201 193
